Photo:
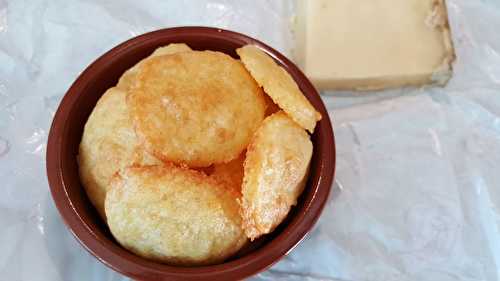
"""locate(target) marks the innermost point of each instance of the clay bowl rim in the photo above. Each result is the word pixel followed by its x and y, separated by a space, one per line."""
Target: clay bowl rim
pixel 117 258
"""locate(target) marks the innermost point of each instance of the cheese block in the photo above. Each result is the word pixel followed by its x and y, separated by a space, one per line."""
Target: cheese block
pixel 373 44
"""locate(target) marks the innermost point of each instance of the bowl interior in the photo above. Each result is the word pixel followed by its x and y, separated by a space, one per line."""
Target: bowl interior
pixel 81 217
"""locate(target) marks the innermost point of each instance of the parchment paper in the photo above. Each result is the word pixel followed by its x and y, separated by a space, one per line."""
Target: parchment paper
pixel 417 190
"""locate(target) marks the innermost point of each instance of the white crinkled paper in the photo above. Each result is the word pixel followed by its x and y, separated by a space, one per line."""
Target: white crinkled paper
pixel 417 190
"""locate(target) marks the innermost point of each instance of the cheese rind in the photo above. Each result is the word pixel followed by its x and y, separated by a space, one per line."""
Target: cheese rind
pixel 374 44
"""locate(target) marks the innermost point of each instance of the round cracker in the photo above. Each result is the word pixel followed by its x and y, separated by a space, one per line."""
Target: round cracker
pixel 174 215
pixel 280 86
pixel 196 108
pixel 129 77
pixel 108 144
pixel 275 172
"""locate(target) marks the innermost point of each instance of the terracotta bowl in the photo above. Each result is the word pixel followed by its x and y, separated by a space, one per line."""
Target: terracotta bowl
pixel 92 232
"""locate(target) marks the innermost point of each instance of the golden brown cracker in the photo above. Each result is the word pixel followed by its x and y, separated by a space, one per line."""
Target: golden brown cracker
pixel 280 86
pixel 196 108
pixel 174 215
pixel 275 172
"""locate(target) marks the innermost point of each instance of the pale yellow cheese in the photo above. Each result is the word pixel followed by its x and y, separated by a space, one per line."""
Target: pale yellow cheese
pixel 374 44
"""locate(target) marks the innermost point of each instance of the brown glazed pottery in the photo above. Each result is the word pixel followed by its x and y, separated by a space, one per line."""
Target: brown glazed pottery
pixel 92 232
